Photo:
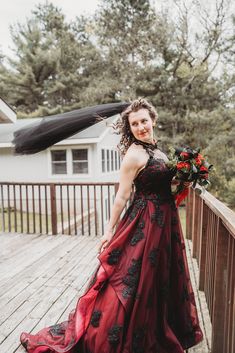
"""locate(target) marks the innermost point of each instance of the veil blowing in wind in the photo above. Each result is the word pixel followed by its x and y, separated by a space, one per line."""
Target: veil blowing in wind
pixel 51 129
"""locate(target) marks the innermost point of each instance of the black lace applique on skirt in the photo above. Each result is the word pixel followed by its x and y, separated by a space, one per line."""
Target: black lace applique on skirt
pixel 132 278
pixel 113 257
pixel 95 318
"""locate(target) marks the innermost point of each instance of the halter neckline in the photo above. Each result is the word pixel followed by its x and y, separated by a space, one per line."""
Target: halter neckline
pixel 151 146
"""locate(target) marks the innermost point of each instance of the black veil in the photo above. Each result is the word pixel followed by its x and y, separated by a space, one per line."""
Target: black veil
pixel 52 129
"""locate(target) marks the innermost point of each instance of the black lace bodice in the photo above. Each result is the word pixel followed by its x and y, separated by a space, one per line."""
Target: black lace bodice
pixel 155 177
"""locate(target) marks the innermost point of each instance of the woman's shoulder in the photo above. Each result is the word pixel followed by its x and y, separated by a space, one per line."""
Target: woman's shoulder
pixel 131 152
pixel 135 156
pixel 135 147
pixel 136 151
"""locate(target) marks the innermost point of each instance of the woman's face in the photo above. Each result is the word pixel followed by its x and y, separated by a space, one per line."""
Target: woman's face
pixel 141 125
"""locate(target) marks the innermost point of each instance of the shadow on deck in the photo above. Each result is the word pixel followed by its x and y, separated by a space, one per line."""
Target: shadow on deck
pixel 42 276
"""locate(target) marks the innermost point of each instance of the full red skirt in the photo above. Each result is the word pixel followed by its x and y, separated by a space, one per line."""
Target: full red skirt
pixel 139 299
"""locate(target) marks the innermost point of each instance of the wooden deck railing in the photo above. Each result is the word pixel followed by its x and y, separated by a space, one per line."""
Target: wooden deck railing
pixel 211 226
pixel 67 208
pixel 82 208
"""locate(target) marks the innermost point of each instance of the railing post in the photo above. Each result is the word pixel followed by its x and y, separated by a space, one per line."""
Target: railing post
pixel 2 209
pixel 53 209
pixel 189 214
pixel 219 302
pixel 196 224
pixel 203 245
pixel 229 327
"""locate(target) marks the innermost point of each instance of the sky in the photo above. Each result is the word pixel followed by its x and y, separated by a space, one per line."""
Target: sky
pixel 13 11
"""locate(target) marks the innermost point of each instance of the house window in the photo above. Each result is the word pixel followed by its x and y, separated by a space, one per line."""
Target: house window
pixel 112 160
pixel 80 161
pixel 108 161
pixel 59 162
pixel 103 159
pixel 116 157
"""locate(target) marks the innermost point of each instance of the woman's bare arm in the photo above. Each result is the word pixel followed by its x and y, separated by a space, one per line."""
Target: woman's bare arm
pixel 128 171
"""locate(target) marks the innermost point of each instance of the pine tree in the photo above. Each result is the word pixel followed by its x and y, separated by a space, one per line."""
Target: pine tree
pixel 52 65
pixel 126 36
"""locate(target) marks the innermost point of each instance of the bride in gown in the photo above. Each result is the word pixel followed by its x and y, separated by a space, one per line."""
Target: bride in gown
pixel 139 298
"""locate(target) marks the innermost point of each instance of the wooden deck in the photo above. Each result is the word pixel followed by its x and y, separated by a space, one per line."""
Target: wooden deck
pixel 41 278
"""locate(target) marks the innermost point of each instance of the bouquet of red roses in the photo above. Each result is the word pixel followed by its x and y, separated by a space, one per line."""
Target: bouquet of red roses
pixel 190 166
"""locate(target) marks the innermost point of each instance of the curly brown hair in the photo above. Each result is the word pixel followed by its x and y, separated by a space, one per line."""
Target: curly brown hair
pixel 122 126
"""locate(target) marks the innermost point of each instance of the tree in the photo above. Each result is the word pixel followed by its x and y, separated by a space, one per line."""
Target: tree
pixel 52 66
pixel 126 37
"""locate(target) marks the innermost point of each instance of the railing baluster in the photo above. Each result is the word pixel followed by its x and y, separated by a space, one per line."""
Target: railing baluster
pixel 229 327
pixel 53 209
pixel 21 211
pixel 33 206
pixel 46 208
pixel 88 210
pixel 102 210
pixel 40 208
pixel 68 206
pixel 189 214
pixel 219 290
pixel 81 200
pixel 95 210
pixel 15 214
pixel 27 207
pixel 108 201
pixel 61 208
pixel 204 244
pixel 74 210
pixel 8 208
pixel 2 209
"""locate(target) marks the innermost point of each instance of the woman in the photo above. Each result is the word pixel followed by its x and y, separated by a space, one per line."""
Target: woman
pixel 140 298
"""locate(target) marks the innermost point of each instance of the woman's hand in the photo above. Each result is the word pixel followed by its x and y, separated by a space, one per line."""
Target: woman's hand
pixel 104 240
pixel 187 184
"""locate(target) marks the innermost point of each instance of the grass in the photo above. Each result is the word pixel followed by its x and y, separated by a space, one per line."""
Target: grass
pixel 25 223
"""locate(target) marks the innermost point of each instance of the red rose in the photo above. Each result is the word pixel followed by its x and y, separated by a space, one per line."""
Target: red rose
pixel 184 155
pixel 182 165
pixel 203 168
pixel 198 160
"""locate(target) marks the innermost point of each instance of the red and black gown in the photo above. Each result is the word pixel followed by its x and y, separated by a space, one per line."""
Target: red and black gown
pixel 140 298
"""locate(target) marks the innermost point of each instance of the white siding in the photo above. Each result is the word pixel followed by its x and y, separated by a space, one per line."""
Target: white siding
pixel 108 142
pixel 22 168
pixel 37 167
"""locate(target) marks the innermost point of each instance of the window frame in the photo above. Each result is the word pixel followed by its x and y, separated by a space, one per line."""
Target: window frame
pixel 112 164
pixel 69 174
pixel 72 161
pixel 58 162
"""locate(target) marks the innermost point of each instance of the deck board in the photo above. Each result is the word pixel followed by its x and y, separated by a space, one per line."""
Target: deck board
pixel 42 276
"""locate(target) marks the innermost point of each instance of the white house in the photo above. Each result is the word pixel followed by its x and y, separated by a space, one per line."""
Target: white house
pixel 90 156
